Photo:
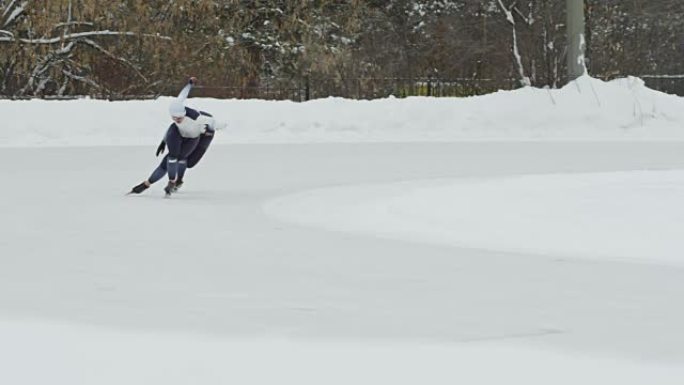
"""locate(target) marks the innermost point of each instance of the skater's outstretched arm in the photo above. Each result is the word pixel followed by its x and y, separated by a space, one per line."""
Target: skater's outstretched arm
pixel 186 90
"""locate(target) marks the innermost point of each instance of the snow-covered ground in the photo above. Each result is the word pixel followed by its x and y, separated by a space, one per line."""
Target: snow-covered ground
pixel 418 258
pixel 587 109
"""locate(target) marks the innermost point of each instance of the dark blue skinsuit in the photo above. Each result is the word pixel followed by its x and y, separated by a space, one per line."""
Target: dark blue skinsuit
pixel 183 152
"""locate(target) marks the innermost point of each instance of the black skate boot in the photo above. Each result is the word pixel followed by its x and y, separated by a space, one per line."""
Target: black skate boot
pixel 179 183
pixel 139 188
pixel 170 188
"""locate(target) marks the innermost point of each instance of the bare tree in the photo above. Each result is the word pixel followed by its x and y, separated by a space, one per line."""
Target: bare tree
pixel 517 59
pixel 53 43
pixel 355 48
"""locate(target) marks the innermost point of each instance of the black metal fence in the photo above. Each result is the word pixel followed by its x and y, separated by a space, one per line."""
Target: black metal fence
pixel 374 88
pixel 366 88
pixel 358 88
pixel 671 84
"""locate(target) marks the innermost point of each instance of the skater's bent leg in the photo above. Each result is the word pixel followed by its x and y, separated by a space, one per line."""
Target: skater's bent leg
pixel 182 166
pixel 187 147
pixel 195 157
pixel 174 142
pixel 158 172
pixel 172 168
pixel 202 146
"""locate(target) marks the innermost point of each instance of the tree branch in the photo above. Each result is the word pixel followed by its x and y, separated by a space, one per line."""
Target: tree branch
pixel 83 79
pixel 9 6
pixel 15 12
pixel 112 56
pixel 73 23
pixel 529 20
pixel 78 35
pixel 509 14
pixel 524 79
pixel 44 65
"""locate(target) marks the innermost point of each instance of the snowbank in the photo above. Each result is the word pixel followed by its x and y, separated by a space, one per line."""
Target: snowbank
pixel 585 109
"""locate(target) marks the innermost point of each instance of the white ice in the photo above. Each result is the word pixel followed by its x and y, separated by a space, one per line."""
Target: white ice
pixel 631 216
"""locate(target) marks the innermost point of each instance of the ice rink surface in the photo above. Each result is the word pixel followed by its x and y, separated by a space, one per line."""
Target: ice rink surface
pixel 211 262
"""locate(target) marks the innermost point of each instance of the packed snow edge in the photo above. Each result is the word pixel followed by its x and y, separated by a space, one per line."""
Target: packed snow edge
pixel 586 109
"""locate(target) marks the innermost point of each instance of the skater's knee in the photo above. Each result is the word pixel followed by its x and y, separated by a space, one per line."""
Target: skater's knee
pixel 174 153
pixel 174 146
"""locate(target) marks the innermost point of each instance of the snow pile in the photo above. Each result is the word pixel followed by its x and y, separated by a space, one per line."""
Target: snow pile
pixel 633 216
pixel 585 109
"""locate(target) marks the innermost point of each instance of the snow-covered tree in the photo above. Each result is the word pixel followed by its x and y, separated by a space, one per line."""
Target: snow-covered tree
pixel 59 42
pixel 356 48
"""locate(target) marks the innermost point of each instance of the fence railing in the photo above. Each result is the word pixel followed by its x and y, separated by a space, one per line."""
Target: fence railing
pixel 365 88
pixel 672 84
pixel 356 88
pixel 373 88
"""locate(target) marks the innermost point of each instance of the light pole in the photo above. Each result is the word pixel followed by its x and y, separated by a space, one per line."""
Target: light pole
pixel 576 41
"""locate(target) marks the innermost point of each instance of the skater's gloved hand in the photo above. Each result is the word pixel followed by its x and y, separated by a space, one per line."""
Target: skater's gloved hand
pixel 208 131
pixel 192 80
pixel 161 148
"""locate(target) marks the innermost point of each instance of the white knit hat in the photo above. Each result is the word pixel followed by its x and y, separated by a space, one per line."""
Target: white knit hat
pixel 176 108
